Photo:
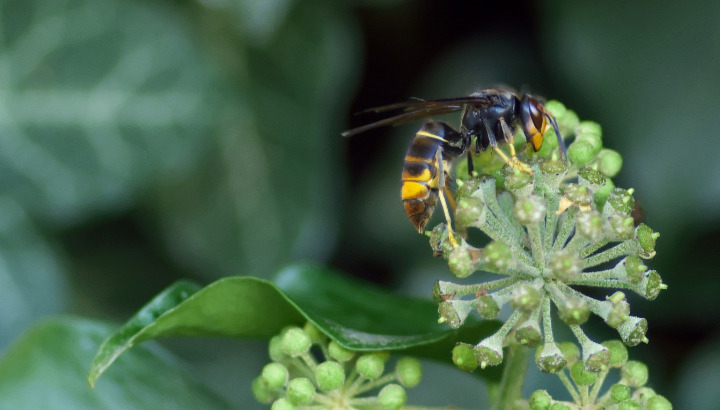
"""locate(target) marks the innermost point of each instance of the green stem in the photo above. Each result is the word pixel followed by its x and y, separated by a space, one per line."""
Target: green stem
pixel 516 363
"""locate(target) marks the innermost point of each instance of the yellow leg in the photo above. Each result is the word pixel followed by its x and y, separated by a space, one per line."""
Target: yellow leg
pixel 513 161
pixel 451 237
pixel 442 189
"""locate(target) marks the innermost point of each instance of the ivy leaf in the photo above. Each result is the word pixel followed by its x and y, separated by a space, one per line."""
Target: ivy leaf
pixel 356 315
pixel 98 99
pixel 45 369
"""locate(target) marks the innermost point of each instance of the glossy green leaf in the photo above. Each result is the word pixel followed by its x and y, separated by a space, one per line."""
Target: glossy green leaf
pixel 357 315
pixel 46 369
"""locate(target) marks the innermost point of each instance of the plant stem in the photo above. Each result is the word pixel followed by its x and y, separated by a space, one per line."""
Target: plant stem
pixel 516 363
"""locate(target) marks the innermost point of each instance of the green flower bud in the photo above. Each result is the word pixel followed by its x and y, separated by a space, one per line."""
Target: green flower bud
pixel 488 353
pixel 392 397
pixel 603 193
pixel 633 331
pixel 581 152
pixel 565 264
pixel 652 285
pixel 570 351
pixel 282 404
pixel 525 298
pixel 274 375
pixel 621 226
pixel 496 257
pixel 540 400
pixel 634 269
pixel 467 188
pixel 619 392
pixel 370 366
pixel 300 391
pixel 557 109
pixel 487 307
pixel 275 350
pixel 643 394
pixel 574 311
pixel 621 200
pixel 464 357
pixel 530 210
pixel 454 312
pixel 646 237
pixel 629 405
pixel 554 167
pixel 609 162
pixel 658 403
pixel 634 373
pixel 316 336
pixel 549 358
pixel 580 376
pixel 579 194
pixel 408 371
pixel 595 356
pixel 619 311
pixel 295 342
pixel 438 240
pixel 528 334
pixel 460 262
pixel 618 352
pixel 339 353
pixel 261 392
pixel 329 375
pixel 519 182
pixel 588 128
pixel 591 177
pixel 468 211
pixel 589 224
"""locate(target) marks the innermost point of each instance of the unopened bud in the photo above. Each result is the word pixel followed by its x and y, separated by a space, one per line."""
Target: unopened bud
pixel 497 257
pixel 635 269
pixel 300 391
pixel 580 376
pixel 634 373
pixel 488 353
pixel 621 200
pixel 618 352
pixel 408 371
pixel 392 397
pixel 487 307
pixel 619 392
pixel 596 357
pixel 468 211
pixel 464 357
pixel 646 237
pixel 609 162
pixel 565 265
pixel 540 400
pixel 549 358
pixel 619 310
pixel 528 334
pixel 530 209
pixel 579 194
pixel 574 311
pixel 581 152
pixel 329 375
pixel 525 298
pixel 370 366
pixel 589 224
pixel 633 331
pixel 460 262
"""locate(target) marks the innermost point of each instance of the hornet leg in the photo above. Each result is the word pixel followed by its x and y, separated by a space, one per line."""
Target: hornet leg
pixel 442 190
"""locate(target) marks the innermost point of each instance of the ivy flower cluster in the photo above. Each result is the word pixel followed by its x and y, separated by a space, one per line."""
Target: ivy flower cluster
pixel 563 226
pixel 585 387
pixel 330 376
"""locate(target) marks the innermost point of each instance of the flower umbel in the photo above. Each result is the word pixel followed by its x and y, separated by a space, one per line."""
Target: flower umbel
pixel 565 225
pixel 340 378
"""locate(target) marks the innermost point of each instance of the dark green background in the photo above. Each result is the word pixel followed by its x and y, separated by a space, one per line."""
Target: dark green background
pixel 141 142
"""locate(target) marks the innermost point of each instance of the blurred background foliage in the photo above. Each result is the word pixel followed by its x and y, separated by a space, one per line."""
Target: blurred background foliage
pixel 142 142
